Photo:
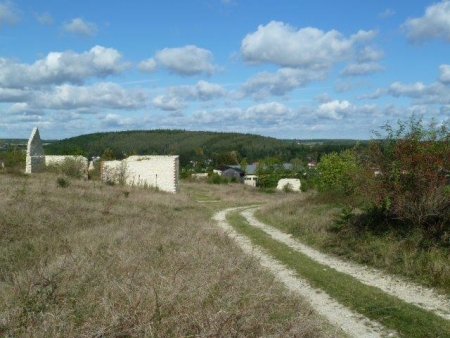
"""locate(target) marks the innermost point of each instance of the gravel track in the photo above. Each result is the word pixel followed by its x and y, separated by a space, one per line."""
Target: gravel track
pixel 350 322
pixel 408 292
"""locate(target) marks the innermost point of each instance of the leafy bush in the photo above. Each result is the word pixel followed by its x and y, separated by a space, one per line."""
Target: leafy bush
pixel 70 167
pixel 14 156
pixel 336 173
pixel 62 182
pixel 217 179
pixel 410 185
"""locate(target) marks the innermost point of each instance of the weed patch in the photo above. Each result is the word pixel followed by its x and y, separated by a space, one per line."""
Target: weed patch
pixel 96 260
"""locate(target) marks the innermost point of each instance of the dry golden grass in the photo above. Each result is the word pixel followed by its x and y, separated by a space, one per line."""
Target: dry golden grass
pixel 91 260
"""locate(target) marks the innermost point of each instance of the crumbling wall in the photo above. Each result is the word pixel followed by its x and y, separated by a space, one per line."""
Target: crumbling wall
pixel 37 161
pixel 160 172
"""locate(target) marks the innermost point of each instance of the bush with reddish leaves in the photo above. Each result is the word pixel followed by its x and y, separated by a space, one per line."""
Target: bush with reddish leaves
pixel 407 179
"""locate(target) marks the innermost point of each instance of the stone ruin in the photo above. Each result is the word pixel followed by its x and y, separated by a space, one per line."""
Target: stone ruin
pixel 293 184
pixel 37 161
pixel 159 172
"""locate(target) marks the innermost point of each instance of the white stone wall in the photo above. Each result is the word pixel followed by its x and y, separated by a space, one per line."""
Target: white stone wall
pixel 294 184
pixel 35 160
pixel 199 176
pixel 34 164
pixel 161 172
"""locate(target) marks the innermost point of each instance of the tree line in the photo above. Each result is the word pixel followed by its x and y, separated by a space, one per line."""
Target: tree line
pixel 206 148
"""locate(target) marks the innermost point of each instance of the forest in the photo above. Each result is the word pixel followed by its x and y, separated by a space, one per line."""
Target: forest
pixel 195 146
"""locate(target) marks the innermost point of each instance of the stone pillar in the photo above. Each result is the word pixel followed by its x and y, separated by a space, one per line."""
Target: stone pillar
pixel 35 161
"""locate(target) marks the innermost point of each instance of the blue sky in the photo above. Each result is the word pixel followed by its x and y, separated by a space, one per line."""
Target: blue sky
pixel 286 68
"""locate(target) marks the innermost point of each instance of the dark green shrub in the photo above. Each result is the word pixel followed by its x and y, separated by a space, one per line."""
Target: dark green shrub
pixel 71 167
pixel 287 188
pixel 62 182
pixel 217 179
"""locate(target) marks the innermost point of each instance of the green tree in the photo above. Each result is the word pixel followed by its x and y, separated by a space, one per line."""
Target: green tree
pixel 244 164
pixel 108 155
pixel 227 158
pixel 336 171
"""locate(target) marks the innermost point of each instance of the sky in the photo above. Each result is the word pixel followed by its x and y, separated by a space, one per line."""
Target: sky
pixel 290 69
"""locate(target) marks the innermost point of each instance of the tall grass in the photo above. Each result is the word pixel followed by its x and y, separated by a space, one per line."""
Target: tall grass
pixel 313 220
pixel 406 319
pixel 92 260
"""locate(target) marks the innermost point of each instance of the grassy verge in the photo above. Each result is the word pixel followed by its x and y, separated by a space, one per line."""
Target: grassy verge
pixel 91 260
pixel 406 319
pixel 397 252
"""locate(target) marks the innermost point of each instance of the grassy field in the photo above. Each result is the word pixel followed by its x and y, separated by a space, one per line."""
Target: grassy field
pixel 406 319
pixel 311 219
pixel 91 260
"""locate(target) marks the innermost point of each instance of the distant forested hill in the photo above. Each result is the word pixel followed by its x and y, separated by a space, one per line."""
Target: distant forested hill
pixel 188 144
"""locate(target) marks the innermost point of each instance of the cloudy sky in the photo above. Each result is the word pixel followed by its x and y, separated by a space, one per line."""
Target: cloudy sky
pixel 282 68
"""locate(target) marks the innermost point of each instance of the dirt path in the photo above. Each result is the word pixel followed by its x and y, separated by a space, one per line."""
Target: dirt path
pixel 408 292
pixel 350 322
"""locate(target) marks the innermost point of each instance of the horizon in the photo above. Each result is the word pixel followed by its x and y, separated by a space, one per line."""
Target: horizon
pixel 291 69
pixel 3 139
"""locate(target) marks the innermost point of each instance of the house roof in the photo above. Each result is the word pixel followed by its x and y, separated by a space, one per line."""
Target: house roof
pixel 250 169
pixel 230 172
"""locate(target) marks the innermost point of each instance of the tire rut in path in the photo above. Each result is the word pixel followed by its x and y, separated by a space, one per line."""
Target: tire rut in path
pixel 352 323
pixel 422 297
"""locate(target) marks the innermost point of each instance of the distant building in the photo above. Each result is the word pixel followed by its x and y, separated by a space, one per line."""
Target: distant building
pixel 312 165
pixel 251 180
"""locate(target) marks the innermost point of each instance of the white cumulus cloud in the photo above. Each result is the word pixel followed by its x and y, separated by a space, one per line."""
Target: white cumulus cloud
pixel 434 24
pixel 334 110
pixel 176 96
pixel 268 112
pixel 203 91
pixel 422 94
pixel 60 67
pixel 80 27
pixel 168 103
pixel 445 74
pixel 412 90
pixel 279 83
pixel 188 60
pixel 283 45
pixel 13 95
pixel 356 69
pixel 148 66
pixel 102 95
pixel 115 120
